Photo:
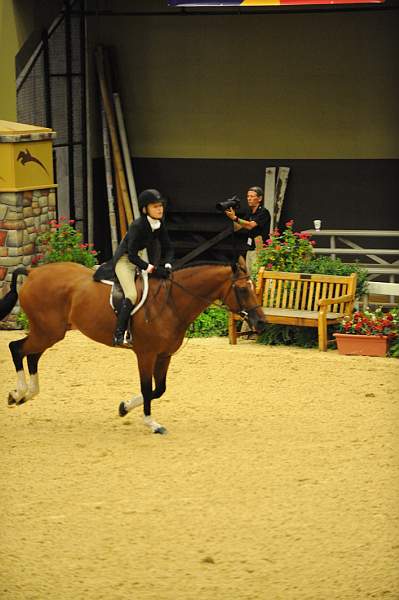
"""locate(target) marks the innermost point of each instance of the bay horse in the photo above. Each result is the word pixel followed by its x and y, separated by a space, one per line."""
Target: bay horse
pixel 61 296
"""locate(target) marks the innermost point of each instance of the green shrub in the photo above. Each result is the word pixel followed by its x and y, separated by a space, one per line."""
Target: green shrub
pixel 22 320
pixel 63 243
pixel 326 265
pixel 212 322
pixel 293 252
pixel 289 335
pixel 394 348
pixel 283 251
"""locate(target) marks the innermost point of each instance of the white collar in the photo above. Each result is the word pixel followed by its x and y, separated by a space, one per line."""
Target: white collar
pixel 154 223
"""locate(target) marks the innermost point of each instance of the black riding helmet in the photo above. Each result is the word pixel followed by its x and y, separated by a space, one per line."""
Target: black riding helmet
pixel 148 197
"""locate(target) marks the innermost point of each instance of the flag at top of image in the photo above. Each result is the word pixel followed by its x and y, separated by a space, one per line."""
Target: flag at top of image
pixel 198 3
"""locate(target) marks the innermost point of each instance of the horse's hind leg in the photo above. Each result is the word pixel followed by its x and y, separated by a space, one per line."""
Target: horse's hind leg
pixel 32 347
pixel 24 391
pixel 17 396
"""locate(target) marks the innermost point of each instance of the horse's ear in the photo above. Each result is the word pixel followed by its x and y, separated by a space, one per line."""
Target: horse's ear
pixel 235 268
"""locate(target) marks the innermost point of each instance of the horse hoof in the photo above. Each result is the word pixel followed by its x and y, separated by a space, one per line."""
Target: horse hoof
pixel 122 410
pixel 11 400
pixel 161 430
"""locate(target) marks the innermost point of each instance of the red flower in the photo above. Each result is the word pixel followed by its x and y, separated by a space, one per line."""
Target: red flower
pixel 289 223
pixel 71 221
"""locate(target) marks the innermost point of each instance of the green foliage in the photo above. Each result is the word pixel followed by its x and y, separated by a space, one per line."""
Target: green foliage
pixel 212 322
pixel 283 251
pixel 64 243
pixel 288 335
pixel 293 252
pixel 22 320
pixel 394 348
pixel 330 266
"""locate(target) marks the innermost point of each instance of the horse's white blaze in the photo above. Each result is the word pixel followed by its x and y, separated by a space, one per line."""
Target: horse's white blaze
pixel 153 425
pixel 22 387
pixel 133 402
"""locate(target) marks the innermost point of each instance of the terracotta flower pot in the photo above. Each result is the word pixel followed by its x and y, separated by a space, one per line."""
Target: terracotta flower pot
pixel 362 345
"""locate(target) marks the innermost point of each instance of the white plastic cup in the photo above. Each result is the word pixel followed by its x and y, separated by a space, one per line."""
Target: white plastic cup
pixel 317 224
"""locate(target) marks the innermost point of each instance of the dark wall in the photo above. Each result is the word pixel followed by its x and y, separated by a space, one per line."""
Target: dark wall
pixel 344 194
pixel 311 85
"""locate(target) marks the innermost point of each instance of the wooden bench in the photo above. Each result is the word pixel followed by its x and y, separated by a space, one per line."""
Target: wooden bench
pixel 302 300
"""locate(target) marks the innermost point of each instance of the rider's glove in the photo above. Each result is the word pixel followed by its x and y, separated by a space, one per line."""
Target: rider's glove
pixel 161 272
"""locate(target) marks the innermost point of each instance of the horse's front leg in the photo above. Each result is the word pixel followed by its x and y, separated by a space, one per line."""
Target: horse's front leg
pixel 160 372
pixel 146 368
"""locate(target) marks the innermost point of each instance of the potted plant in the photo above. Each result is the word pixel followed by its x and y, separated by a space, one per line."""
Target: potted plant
pixel 367 333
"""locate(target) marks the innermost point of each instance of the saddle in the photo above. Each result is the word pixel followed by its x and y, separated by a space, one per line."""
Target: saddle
pixel 105 275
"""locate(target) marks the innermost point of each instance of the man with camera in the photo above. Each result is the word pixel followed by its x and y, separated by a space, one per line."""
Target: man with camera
pixel 254 223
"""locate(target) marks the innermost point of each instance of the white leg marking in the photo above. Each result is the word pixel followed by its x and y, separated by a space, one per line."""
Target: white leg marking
pixel 153 425
pixel 133 402
pixel 22 387
pixel 33 388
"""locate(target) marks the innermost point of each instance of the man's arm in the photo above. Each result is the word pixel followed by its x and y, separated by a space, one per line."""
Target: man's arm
pixel 238 222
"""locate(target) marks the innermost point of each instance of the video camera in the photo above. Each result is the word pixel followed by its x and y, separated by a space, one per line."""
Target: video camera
pixel 233 202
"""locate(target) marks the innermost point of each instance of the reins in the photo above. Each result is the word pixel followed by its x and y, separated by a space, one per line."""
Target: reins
pixel 208 301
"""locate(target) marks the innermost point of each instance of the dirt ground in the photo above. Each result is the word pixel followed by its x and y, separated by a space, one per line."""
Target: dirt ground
pixel 278 479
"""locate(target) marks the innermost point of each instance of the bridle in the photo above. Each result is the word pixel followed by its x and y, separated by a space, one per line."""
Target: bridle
pixel 243 312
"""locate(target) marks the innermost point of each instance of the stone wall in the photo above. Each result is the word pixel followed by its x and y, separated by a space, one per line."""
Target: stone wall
pixel 23 216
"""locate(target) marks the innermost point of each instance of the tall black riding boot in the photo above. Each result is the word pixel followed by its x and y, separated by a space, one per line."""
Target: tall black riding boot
pixel 122 322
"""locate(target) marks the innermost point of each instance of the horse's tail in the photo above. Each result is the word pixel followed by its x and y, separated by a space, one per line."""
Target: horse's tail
pixel 9 301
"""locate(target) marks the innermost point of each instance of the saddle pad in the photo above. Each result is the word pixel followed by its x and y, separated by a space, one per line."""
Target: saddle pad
pixel 116 294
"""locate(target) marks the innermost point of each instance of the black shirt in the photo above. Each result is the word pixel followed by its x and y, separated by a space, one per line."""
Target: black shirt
pixel 262 217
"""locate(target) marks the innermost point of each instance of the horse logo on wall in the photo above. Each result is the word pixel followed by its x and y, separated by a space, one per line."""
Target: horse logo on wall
pixel 26 157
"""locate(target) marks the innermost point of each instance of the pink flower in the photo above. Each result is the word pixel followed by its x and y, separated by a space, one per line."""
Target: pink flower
pixel 71 221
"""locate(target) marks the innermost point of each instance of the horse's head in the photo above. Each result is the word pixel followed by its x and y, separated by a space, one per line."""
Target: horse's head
pixel 241 298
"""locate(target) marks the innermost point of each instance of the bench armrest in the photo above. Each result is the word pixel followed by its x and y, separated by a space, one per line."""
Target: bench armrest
pixel 337 300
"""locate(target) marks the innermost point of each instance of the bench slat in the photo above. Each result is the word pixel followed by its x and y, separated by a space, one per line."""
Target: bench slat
pixel 298 314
